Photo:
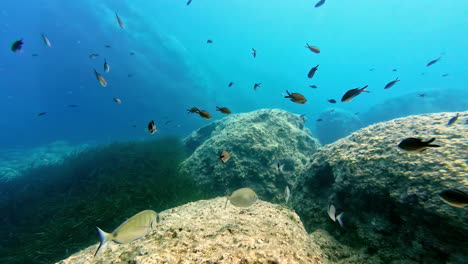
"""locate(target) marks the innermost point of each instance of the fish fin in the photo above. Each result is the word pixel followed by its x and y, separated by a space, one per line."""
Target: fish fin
pixel 428 143
pixel 433 146
pixel 363 89
pixel 289 94
pixel 340 219
pixel 227 199
pixel 218 108
pixel 430 140
pixel 281 167
pixel 104 237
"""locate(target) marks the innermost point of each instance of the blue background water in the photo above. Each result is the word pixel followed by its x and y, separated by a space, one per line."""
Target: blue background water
pixel 174 68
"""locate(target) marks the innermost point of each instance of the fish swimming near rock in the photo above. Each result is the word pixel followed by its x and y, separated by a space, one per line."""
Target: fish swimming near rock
pixel 278 166
pixel 332 214
pixel 296 97
pixel 416 144
pixel 339 218
pixel 287 194
pixel 453 120
pixel 121 24
pixel 46 40
pixel 204 114
pixel 243 197
pixel 224 156
pixel 101 79
pixel 254 52
pixel 319 120
pixel 319 3
pixel 223 110
pixel 17 46
pixel 152 127
pixel 433 61
pixel 134 228
pixel 331 101
pixel 256 85
pixel 313 48
pixel 106 66
pixel 390 84
pixel 454 197
pixel 117 100
pixel 312 72
pixel 353 93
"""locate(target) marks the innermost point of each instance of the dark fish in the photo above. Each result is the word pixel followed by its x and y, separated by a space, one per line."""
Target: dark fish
pixel 254 52
pixel 416 144
pixel 445 75
pixel 313 48
pixel 394 70
pixel 256 85
pixel 204 114
pixel 313 86
pixel 224 156
pixel 121 24
pixel 108 46
pixel 357 113
pixel 209 41
pixel 106 66
pixel 152 127
pixel 331 111
pixel 132 53
pixel 312 72
pixel 46 40
pixel 421 95
pixel 455 197
pixel 17 46
pixel 319 120
pixel 296 97
pixel 371 69
pixel 433 61
pixel 189 2
pixel 93 55
pixel 390 84
pixel 453 120
pixel 353 93
pixel 41 113
pixel 230 84
pixel 72 105
pixel 332 101
pixel 223 110
pixel 34 54
pixel 129 75
pixel 134 125
pixel 319 3
pixel 193 110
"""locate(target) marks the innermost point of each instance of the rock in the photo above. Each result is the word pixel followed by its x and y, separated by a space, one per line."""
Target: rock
pixel 389 197
pixel 336 124
pixel 205 232
pixel 253 140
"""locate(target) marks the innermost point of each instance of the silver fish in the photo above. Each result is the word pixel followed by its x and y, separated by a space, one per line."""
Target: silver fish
pixel 243 197
pixel 46 40
pixel 331 212
pixel 278 166
pixel 106 66
pixel 287 194
pixel 453 120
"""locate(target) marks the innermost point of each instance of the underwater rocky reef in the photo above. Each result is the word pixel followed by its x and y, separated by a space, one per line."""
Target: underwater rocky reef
pixel 335 124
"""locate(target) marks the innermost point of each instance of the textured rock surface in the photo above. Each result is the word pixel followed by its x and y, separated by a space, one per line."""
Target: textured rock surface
pixel 389 196
pixel 336 124
pixel 253 140
pixel 205 232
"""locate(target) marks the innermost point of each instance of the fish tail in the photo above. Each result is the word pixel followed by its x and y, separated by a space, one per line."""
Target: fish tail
pixel 289 95
pixel 340 219
pixel 363 89
pixel 104 236
pixel 431 145
pixel 218 108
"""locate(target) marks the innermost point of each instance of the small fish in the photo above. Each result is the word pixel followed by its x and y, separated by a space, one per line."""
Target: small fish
pixel 224 156
pixel 296 97
pixel 121 24
pixel 256 85
pixel 223 110
pixel 421 95
pixel 313 86
pixel 357 113
pixel 72 105
pixel 390 84
pixel 209 41
pixel 152 127
pixel 129 75
pixel 34 54
pixel 454 197
pixel 319 3
pixel 46 40
pixel 204 114
pixel 254 52
pixel 243 197
pixel 117 100
pixel 41 113
pixel 445 75
pixel 372 69
pixel 313 48
pixel 193 110
pixel 106 66
pixel 134 125
pixel 319 120
pixel 416 144
pixel 93 55
pixel 331 111
pixel 134 228
pixel 331 101
pixel 108 46
pixel 189 2
pixel 312 72
pixel 101 79
pixel 167 122
pixel 331 212
pixel 287 194
pixel 433 61
pixel 353 93
pixel 278 165
pixel 17 46
pixel 453 120
pixel 230 84
pixel 132 53
pixel 394 70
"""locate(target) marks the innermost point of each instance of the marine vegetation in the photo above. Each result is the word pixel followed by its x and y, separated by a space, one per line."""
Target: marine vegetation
pixel 53 211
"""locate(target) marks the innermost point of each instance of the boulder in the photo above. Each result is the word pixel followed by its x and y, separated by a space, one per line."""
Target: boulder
pixel 390 197
pixel 253 141
pixel 335 124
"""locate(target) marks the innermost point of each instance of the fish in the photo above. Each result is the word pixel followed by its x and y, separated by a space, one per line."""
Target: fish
pixel 108 46
pixel 421 95
pixel 416 144
pixel 319 3
pixel 313 86
pixel 204 114
pixel 117 100
pixel 230 84
pixel 256 85
pixel 313 48
pixel 101 79
pixel 319 120
pixel 353 93
pixel 106 66
pixel 445 75
pixel 223 110
pixel 34 54
pixel 167 122
pixel 312 72
pixel 433 61
pixel 129 75
pixel 93 55
pixel 193 110
pixel 296 97
pixel 209 41
pixel 331 101
pixel 254 52
pixel 73 105
pixel 121 24
pixel 132 229
pixel 394 70
pixel 131 53
pixel 278 165
pixel 340 219
pixel 371 69
pixel 224 156
pixel 41 113
pixel 152 127
pixel 189 2
pixel 453 119
pixel 17 46
pixel 46 40
pixel 331 212
pixel 287 194
pixel 454 197
pixel 331 111
pixel 243 197
pixel 390 84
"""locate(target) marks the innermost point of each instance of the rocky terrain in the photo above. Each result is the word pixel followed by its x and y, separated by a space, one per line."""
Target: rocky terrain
pixel 336 123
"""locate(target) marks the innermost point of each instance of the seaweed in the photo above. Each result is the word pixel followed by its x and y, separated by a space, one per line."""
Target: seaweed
pixel 53 210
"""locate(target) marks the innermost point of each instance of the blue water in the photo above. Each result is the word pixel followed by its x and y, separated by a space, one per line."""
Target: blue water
pixel 174 68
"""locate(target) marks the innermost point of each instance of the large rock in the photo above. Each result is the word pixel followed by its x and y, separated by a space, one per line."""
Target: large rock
pixel 253 140
pixel 205 232
pixel 389 197
pixel 336 124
